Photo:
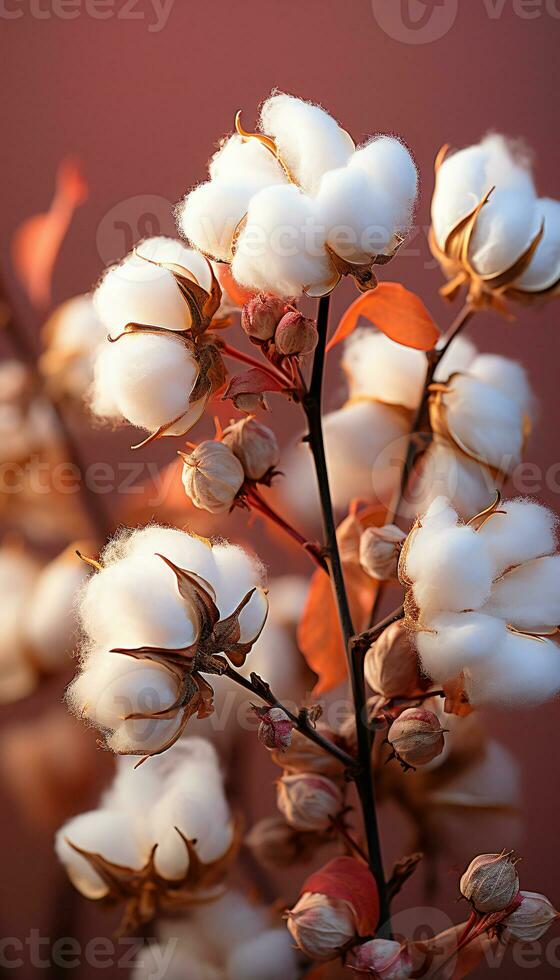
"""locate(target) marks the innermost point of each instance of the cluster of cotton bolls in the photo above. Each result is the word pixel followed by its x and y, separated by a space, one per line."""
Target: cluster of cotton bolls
pixel 72 335
pixel 148 378
pixel 481 418
pixel 133 602
pixel 278 204
pixel 483 601
pixel 167 801
pixel 230 939
pixel 37 609
pixel 508 225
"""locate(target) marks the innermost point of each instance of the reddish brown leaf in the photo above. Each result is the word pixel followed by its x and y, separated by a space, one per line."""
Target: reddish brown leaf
pixel 37 241
pixel 352 881
pixel 437 957
pixel 251 382
pixel 398 313
pixel 238 294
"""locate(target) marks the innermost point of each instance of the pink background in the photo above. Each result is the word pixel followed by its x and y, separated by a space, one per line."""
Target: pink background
pixel 144 109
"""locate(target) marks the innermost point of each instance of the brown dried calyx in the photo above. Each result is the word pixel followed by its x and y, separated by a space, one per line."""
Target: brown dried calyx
pixel 144 894
pixel 491 882
pixel 416 737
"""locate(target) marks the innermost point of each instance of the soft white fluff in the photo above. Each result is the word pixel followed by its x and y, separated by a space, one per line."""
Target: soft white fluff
pixel 241 159
pixel 360 219
pixel 485 421
pixel 309 141
pixel 504 230
pixel 507 376
pixel 526 530
pixel 73 334
pixel 210 214
pixel 101 832
pixel 528 596
pixel 544 269
pixel 459 640
pixel 50 624
pixel 378 368
pixel 523 672
pixel 269 956
pixel 147 380
pixel 444 470
pixel 451 569
pixel 389 163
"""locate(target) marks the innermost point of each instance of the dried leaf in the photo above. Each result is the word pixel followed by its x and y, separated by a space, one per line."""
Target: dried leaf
pixel 436 957
pixel 398 313
pixel 251 382
pixel 352 881
pixel 37 241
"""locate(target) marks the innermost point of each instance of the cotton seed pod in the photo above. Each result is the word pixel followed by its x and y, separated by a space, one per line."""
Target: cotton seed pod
pixel 391 663
pixel 416 737
pixel 309 801
pixel 255 446
pixel 490 882
pixel 261 315
pixel 302 755
pixel 275 729
pixel 382 958
pixel 379 551
pixel 295 334
pixel 530 920
pixel 212 476
pixel 322 927
pixel 275 844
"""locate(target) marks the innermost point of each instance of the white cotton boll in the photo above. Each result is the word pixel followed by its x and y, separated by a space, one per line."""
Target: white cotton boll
pixel 508 376
pixel 458 357
pixel 133 790
pixel 73 334
pixel 281 248
pixel 376 367
pixel 230 921
pixel 389 163
pixel 246 159
pixel 309 141
pixel 184 550
pixel 460 184
pixel 199 810
pixel 136 291
pixel 209 215
pixel 50 623
pixel 526 530
pixel 270 956
pixel 544 269
pixel 144 736
pixel 451 570
pixel 137 603
pixel 443 470
pixel 237 573
pixel 485 421
pixel 101 832
pixel 459 640
pixel 113 685
pixel 360 220
pixel 147 380
pixel 528 597
pixel 508 163
pixel 524 672
pixel 504 230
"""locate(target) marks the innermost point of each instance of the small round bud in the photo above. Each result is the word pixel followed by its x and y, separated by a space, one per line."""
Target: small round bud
pixel 490 882
pixel 275 844
pixel 212 476
pixel 383 959
pixel 261 315
pixel 308 801
pixel 391 664
pixel 322 927
pixel 302 755
pixel 416 737
pixel 380 548
pixel 275 729
pixel 531 919
pixel 255 446
pixel 295 334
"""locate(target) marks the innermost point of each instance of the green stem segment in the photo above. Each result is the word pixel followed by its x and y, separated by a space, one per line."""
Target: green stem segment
pixel 312 404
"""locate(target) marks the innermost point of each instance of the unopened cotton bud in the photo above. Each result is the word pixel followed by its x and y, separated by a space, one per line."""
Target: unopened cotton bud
pixel 274 843
pixel 255 446
pixel 382 958
pixel 309 801
pixel 531 919
pixel 261 315
pixel 322 927
pixel 275 729
pixel 391 663
pixel 212 476
pixel 295 334
pixel 416 737
pixel 490 882
pixel 379 551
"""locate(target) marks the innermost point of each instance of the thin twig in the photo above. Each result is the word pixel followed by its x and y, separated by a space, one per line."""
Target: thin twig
pixel 272 372
pixel 261 506
pixel 312 403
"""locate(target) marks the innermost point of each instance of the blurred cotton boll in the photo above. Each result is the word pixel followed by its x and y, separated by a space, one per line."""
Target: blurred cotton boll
pixel 295 205
pixel 99 832
pixel 18 574
pixel 72 336
pixel 27 422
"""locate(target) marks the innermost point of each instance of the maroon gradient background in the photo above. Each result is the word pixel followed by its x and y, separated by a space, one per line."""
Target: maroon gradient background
pixel 144 109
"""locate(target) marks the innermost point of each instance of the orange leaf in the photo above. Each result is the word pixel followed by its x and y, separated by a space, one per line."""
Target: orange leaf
pixel 398 313
pixel 238 294
pixel 37 241
pixel 352 881
pixel 319 635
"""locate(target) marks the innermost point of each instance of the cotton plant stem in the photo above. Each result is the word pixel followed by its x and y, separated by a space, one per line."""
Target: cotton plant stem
pixel 93 503
pixel 260 505
pixel 312 404
pixel 420 435
pixel 272 372
pixel 304 727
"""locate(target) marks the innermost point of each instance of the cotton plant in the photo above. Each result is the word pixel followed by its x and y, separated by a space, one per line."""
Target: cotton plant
pixel 412 451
